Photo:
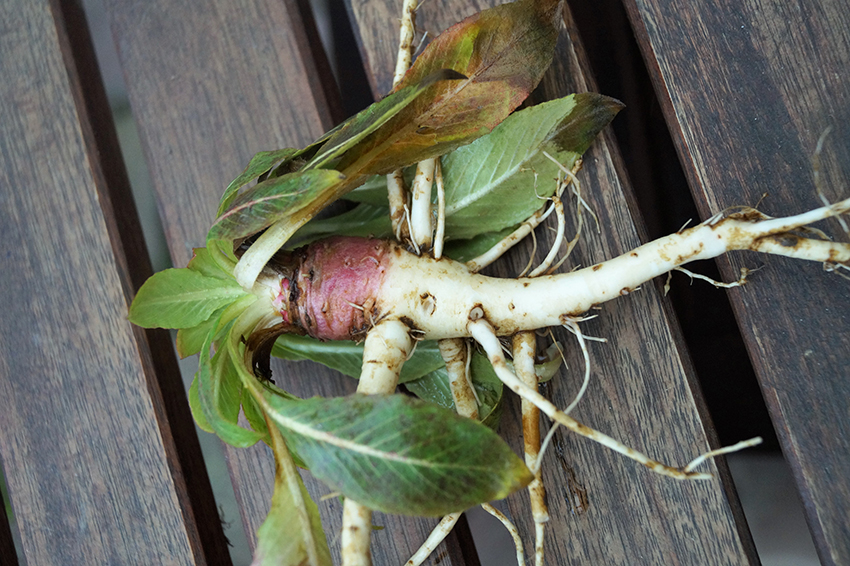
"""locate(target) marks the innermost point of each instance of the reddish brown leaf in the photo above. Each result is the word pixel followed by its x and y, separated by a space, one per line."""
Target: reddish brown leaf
pixel 503 51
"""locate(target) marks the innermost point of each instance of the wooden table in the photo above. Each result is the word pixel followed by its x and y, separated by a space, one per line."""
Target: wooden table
pixel 96 442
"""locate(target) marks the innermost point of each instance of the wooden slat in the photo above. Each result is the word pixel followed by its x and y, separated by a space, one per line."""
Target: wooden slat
pixel 208 89
pixel 747 88
pixel 165 385
pixel 91 466
pixel 642 392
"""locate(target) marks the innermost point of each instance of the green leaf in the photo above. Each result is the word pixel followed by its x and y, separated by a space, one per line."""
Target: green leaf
pixel 272 200
pixel 221 252
pixel 195 407
pixel 435 388
pixel 364 220
pixel 552 364
pixel 260 164
pixel 375 116
pixel 503 51
pixel 400 455
pixel 347 357
pixel 493 183
pixel 425 359
pixel 507 166
pixel 374 190
pixel 204 263
pixel 220 395
pixel 292 533
pixel 254 412
pixel 191 340
pixel 181 298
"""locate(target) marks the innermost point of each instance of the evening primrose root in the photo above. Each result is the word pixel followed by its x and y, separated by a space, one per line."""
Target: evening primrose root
pixel 340 288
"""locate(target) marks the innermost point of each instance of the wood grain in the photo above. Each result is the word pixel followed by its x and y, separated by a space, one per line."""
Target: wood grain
pixel 643 391
pixel 208 89
pixel 747 90
pixel 87 451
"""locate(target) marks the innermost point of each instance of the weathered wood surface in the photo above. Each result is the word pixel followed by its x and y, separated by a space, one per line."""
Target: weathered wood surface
pixel 748 88
pixel 641 391
pixel 96 471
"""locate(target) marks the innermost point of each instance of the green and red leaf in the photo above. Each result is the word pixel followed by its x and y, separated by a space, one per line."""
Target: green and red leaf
pixel 503 52
pixel 273 200
pixel 352 131
pixel 260 164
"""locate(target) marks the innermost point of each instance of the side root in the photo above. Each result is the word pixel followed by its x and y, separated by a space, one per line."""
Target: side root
pixel 523 352
pixel 387 347
pixel 483 333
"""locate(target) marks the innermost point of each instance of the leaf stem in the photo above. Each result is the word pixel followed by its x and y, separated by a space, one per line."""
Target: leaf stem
pixel 287 475
pixel 261 251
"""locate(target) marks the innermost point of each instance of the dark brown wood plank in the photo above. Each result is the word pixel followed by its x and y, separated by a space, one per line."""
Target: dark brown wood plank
pixel 87 452
pixel 747 89
pixel 208 89
pixel 643 391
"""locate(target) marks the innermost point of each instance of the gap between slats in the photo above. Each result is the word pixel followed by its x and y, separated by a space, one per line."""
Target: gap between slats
pixel 9 543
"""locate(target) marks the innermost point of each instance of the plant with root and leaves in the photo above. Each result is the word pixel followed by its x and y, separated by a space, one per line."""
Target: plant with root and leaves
pixel 394 281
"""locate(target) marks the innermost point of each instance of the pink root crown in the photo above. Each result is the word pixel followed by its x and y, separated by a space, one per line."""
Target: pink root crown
pixel 334 290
